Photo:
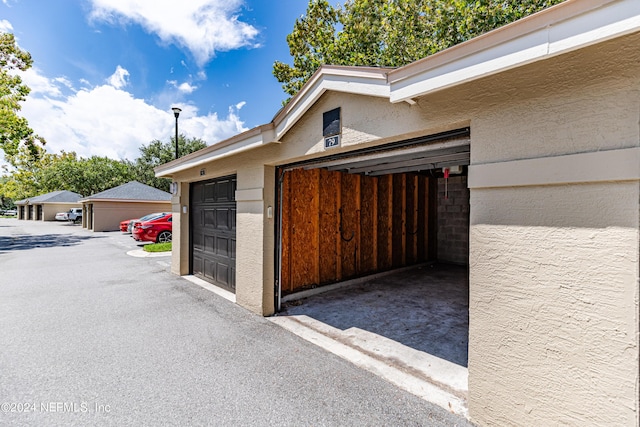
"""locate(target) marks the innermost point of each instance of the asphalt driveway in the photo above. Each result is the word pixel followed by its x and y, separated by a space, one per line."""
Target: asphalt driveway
pixel 92 336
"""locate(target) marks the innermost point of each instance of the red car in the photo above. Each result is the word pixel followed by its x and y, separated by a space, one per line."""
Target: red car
pixel 155 229
pixel 126 226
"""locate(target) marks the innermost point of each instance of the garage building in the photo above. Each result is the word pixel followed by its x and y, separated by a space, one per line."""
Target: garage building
pixel 45 206
pixel 105 210
pixel 515 154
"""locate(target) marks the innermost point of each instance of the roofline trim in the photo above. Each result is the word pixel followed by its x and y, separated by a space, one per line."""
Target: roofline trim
pixel 567 26
pixel 560 29
pixel 357 80
pixel 249 140
pixel 88 200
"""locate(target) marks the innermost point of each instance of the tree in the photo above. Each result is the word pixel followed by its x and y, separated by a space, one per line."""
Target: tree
pixel 23 182
pixel 158 153
pixel 14 130
pixel 44 173
pixel 389 33
pixel 312 43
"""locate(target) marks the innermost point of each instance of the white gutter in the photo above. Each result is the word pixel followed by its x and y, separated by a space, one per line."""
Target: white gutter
pixel 561 29
pixel 249 140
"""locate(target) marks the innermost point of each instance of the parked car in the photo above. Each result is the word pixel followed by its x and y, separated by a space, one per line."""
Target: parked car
pixel 75 215
pixel 157 229
pixel 126 226
pixel 9 212
pixel 62 216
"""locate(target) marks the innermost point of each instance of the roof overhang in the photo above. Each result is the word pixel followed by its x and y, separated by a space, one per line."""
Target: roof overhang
pixel 355 80
pixel 90 200
pixel 566 27
pixel 249 140
pixel 367 81
pixel 560 29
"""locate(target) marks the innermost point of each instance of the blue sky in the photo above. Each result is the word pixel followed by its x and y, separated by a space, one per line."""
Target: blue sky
pixel 107 72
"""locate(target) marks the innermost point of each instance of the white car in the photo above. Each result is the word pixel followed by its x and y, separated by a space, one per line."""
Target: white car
pixel 62 216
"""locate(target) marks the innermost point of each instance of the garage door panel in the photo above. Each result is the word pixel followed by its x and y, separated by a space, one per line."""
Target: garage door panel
pixel 213 231
pixel 222 247
pixel 223 274
pixel 209 215
pixel 197 242
pixel 197 263
pixel 209 244
pixel 223 222
pixel 197 194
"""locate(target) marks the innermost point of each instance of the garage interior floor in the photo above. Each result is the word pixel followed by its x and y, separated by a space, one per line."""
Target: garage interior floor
pixel 425 308
pixel 409 326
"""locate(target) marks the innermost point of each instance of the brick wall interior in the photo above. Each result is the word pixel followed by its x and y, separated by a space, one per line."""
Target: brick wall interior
pixel 453 220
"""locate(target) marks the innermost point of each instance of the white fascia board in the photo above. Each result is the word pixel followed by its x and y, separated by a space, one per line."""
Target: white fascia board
pixel 249 143
pixel 597 25
pixel 362 81
pixel 355 83
pixel 91 200
pixel 615 20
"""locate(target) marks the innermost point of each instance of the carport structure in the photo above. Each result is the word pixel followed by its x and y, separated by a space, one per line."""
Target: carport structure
pixel 45 206
pixel 516 153
pixel 105 210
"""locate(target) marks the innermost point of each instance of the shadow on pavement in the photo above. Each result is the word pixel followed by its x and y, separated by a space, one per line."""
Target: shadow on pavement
pixel 26 242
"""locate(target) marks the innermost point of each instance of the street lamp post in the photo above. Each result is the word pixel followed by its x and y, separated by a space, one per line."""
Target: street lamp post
pixel 176 112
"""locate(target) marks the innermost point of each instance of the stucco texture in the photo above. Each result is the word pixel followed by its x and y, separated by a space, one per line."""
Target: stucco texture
pixel 108 215
pixel 553 337
pixel 553 305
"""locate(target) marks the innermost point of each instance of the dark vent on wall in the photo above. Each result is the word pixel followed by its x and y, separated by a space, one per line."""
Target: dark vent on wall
pixel 331 122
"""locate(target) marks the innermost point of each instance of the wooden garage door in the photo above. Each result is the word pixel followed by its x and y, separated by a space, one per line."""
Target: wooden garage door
pixel 213 231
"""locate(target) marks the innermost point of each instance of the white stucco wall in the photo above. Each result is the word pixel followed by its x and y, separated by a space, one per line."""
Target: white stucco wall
pixel 554 305
pixel 554 256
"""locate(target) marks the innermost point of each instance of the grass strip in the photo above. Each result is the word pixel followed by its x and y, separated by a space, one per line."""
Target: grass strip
pixel 158 247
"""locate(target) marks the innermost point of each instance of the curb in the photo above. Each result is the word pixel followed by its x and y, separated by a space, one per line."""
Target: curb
pixel 140 253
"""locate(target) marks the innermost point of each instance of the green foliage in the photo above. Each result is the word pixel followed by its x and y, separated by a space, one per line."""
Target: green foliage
pixel 44 173
pixel 389 33
pixel 157 247
pixel 311 44
pixel 158 153
pixel 38 172
pixel 14 130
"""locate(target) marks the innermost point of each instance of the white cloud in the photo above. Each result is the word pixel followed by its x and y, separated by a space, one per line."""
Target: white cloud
pixel 108 121
pixel 185 88
pixel 5 26
pixel 202 26
pixel 119 78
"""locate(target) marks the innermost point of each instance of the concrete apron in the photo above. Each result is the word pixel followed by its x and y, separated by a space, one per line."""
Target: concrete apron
pixel 409 327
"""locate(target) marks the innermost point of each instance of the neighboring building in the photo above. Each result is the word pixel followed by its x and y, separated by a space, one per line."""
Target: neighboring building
pixel 46 206
pixel 104 211
pixel 536 126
